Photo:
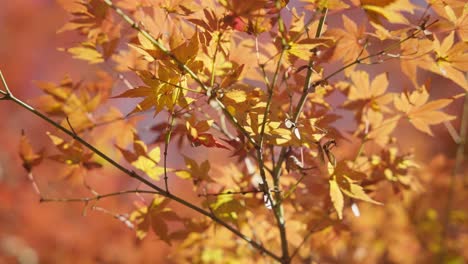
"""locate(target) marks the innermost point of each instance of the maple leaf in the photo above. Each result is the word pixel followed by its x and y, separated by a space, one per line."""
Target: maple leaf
pixel 77 160
pixel 234 75
pixel 129 59
pixel 415 54
pixel 391 10
pixel 29 157
pixel 226 207
pixel 364 96
pixel 336 197
pixel 369 102
pixel 158 94
pixel 379 128
pixel 244 8
pixel 110 122
pixel 451 60
pixel 350 41
pixel 148 164
pixel 87 52
pixel 344 180
pixel 56 95
pixel 210 23
pixel 302 49
pixel 155 216
pixel 180 7
pixel 76 102
pixel 144 160
pixel 454 16
pixel 242 100
pixel 329 4
pixel 87 15
pixel 71 152
pixel 92 20
pixel 197 172
pixel 253 17
pixel 215 56
pixel 444 58
pixel 133 5
pixel 241 147
pixel 178 131
pixel 198 135
pixel 393 166
pixel 421 113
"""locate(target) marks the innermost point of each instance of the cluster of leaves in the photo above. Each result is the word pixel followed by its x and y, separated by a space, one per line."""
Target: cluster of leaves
pixel 253 81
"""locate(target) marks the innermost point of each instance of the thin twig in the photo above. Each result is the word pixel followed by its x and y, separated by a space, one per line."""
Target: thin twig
pixel 233 192
pixel 34 184
pixel 122 218
pixel 167 140
pixel 97 197
pixel 70 126
pixel 7 89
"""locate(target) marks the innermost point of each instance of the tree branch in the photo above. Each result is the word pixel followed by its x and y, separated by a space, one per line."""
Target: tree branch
pixel 136 176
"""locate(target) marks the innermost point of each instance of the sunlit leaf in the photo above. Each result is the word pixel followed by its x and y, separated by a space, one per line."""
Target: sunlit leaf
pixel 29 157
pixel 86 53
pixel 421 113
pixel 336 197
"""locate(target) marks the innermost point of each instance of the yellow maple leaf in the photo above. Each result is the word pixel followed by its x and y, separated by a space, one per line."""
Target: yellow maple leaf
pixel 86 53
pixel 148 164
pixel 329 4
pixel 391 10
pixel 337 197
pixel 367 99
pixel 451 60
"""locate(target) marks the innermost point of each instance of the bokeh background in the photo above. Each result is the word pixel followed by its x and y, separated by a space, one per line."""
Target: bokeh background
pixel 33 232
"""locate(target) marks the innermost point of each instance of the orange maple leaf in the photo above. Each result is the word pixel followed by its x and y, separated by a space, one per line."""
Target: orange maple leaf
pixel 420 112
pixel 350 41
pixel 451 60
pixel 455 17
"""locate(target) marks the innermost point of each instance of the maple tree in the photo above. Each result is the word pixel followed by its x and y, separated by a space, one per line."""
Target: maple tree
pixel 249 105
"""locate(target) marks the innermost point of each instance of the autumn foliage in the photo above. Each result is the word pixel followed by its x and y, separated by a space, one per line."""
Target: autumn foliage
pixel 258 131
